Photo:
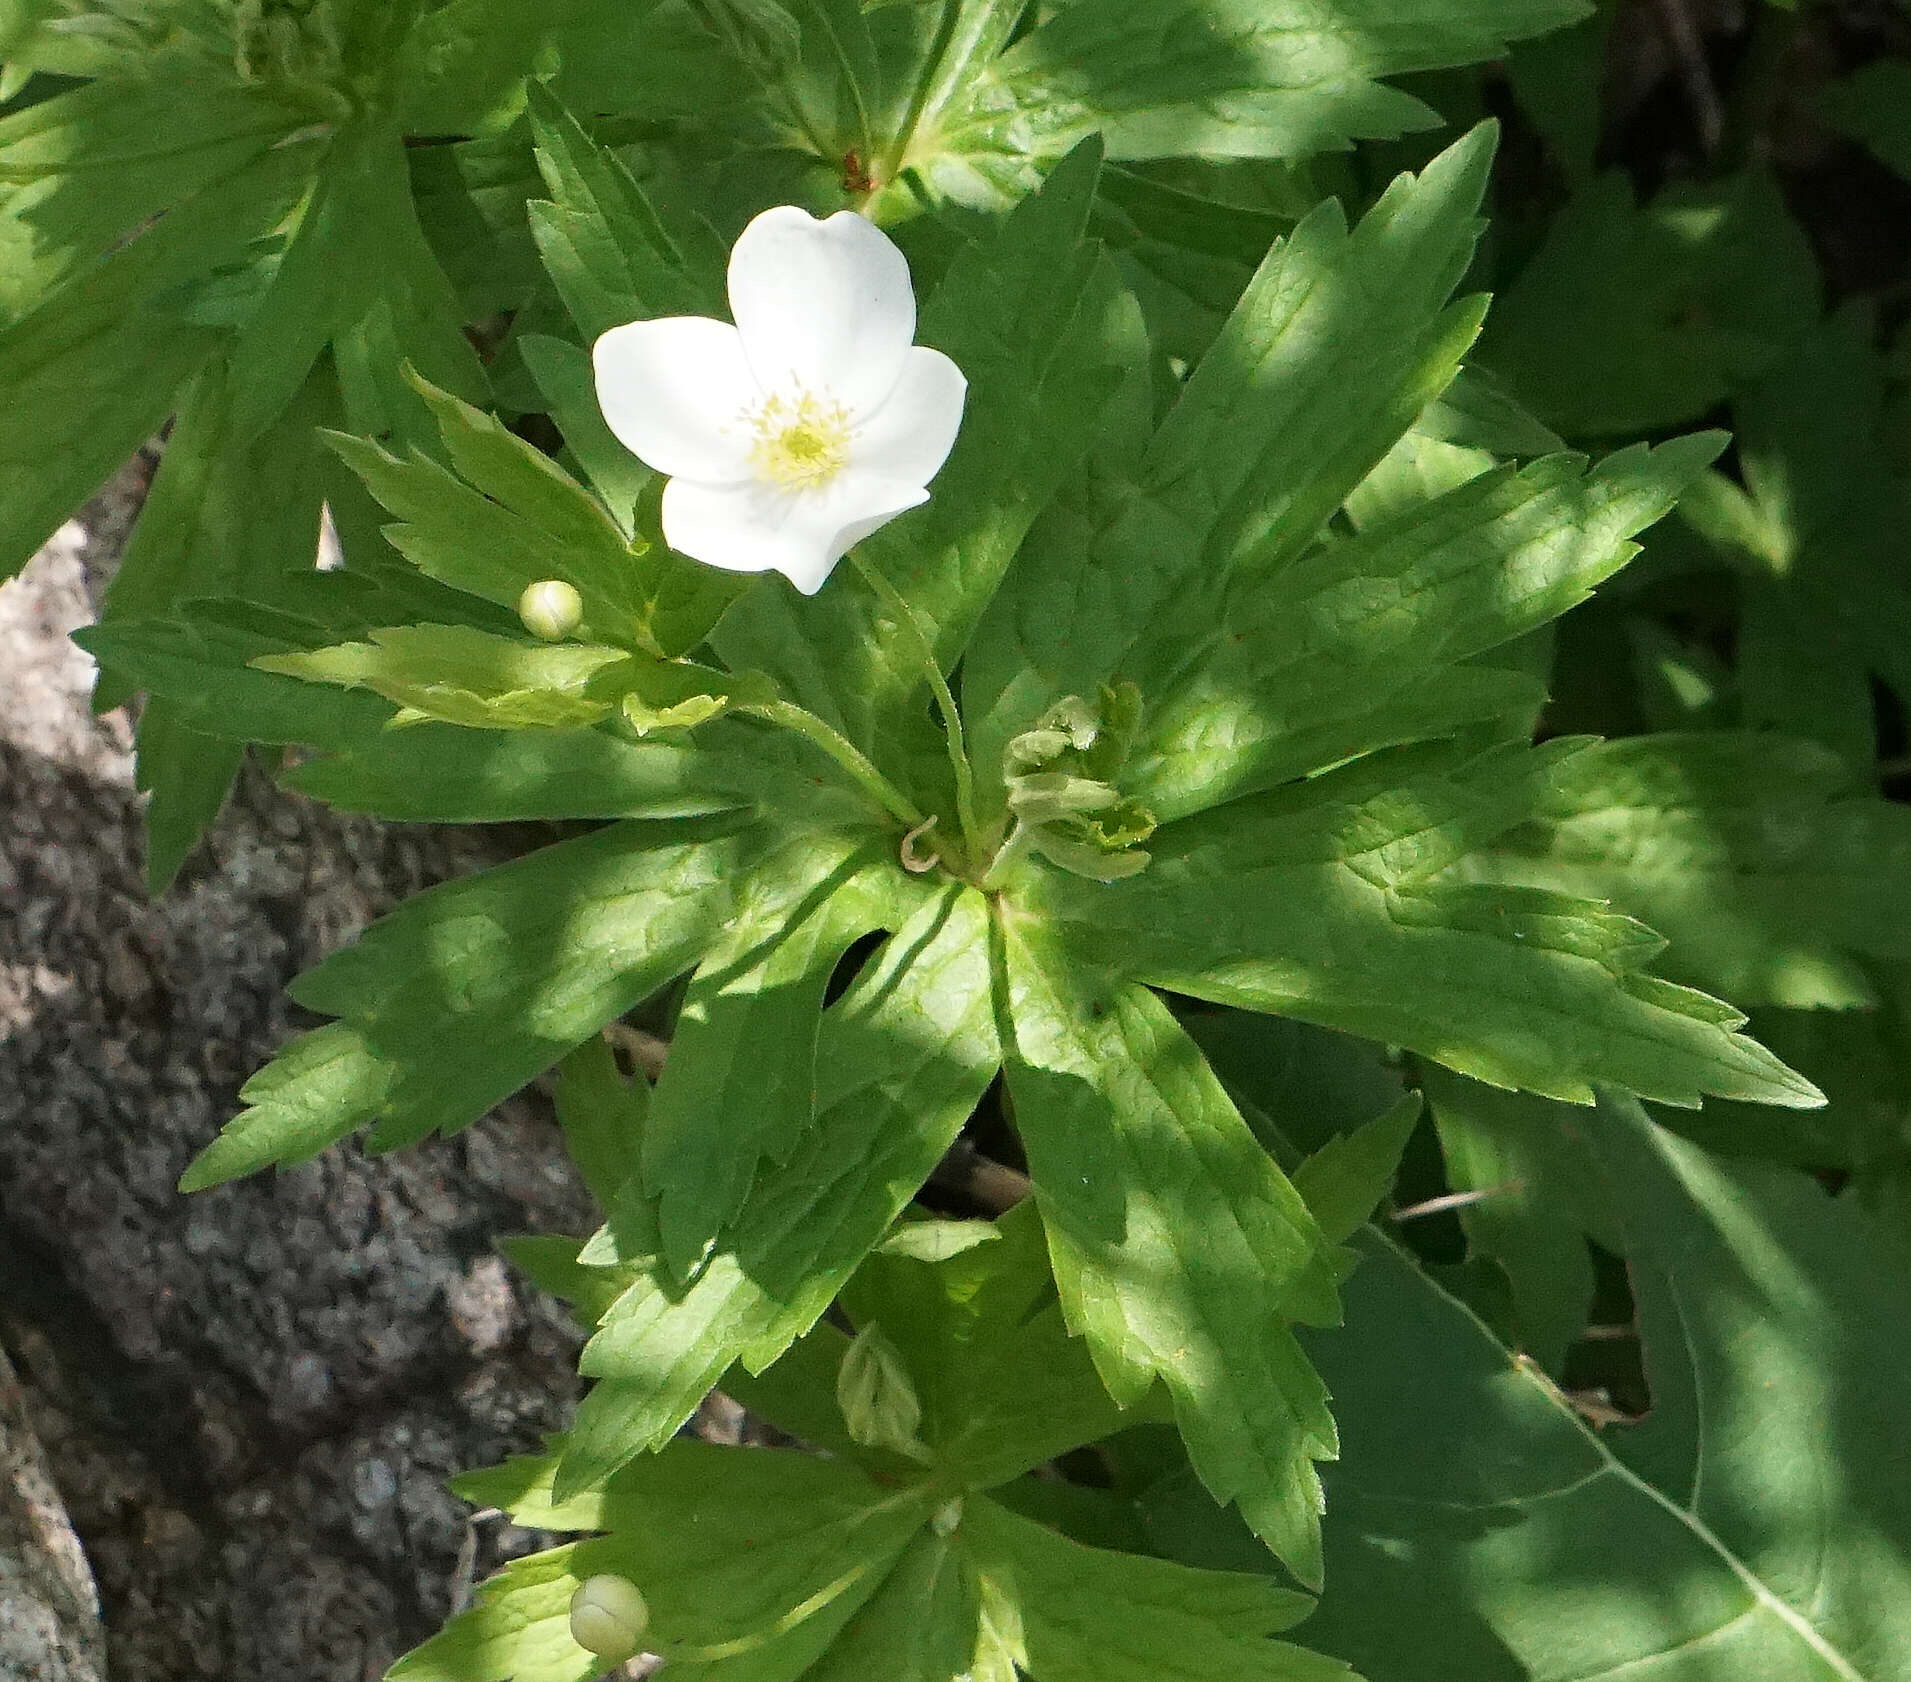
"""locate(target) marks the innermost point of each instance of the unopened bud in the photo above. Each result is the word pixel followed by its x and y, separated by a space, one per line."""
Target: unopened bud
pixel 877 1399
pixel 609 1617
pixel 550 609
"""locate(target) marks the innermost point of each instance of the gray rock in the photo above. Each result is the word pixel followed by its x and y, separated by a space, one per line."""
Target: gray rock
pixel 49 1610
pixel 252 1396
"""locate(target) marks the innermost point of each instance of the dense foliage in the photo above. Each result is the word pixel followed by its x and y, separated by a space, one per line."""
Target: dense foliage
pixel 1194 802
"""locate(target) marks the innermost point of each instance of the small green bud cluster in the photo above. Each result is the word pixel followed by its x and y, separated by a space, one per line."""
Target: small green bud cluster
pixel 1062 785
pixel 293 42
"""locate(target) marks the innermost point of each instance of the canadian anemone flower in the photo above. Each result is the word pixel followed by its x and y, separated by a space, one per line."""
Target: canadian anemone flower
pixel 794 434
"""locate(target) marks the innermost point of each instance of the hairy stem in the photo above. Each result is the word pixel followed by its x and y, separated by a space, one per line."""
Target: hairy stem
pixel 951 718
pixel 840 748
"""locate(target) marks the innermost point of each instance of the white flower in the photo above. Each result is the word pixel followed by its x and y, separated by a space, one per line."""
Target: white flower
pixel 815 419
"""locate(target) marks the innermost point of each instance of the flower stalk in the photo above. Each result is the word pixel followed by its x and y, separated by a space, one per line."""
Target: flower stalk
pixel 789 716
pixel 945 702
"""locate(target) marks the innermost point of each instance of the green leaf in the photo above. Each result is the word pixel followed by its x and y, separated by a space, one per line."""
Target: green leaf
pixel 34 36
pixel 1416 471
pixel 901 1061
pixel 468 991
pixel 415 329
pixel 1298 387
pixel 1344 1181
pixel 1004 1387
pixel 81 171
pixel 1761 1398
pixel 1337 345
pixel 1768 871
pixel 197 664
pixel 1180 1249
pixel 750 1560
pixel 464 676
pixel 1071 1613
pixel 225 516
pixel 533 504
pixel 762 1566
pixel 92 371
pixel 320 1089
pixel 462 538
pixel 518 1631
pixel 187 777
pixel 1559 82
pixel 521 478
pixel 1536 1203
pixel 921 1626
pixel 665 60
pixel 564 375
pixel 461 675
pixel 472 198
pixel 521 1487
pixel 734 1548
pixel 798 1393
pixel 603 1117
pixel 607 252
pixel 936 142
pixel 1322 901
pixel 199 667
pixel 1745 1529
pixel 1319 1083
pixel 1873 106
pixel 1631 318
pixel 1828 590
pixel 1862 1058
pixel 1245 78
pixel 738 1089
pixel 515 517
pixel 1335 654
pixel 354 247
pixel 1477 412
pixel 449 774
pixel 462 65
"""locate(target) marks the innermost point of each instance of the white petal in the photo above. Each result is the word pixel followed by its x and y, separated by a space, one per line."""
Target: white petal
pixel 909 437
pixel 675 392
pixel 756 527
pixel 822 305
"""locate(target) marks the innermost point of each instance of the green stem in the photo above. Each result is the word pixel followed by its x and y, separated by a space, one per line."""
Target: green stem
pixel 930 83
pixel 951 718
pixel 840 748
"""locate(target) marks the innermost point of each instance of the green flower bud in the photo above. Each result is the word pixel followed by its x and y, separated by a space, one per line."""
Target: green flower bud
pixel 877 1399
pixel 609 1617
pixel 550 609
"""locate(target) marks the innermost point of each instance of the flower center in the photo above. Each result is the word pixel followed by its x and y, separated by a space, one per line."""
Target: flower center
pixel 802 441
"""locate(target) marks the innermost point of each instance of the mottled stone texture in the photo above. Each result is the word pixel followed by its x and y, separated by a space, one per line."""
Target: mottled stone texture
pixel 49 1612
pixel 249 1398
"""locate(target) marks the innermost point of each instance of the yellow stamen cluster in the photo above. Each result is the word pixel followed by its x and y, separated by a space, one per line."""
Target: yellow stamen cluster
pixel 802 442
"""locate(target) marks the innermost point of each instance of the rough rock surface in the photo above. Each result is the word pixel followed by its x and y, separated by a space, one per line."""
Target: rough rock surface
pixel 250 1398
pixel 49 1609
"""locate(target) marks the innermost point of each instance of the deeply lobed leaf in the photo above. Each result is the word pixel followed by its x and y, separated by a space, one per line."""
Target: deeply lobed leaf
pixel 1180 1249
pixel 1323 902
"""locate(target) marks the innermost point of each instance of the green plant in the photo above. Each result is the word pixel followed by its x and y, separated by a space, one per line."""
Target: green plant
pixel 1167 793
